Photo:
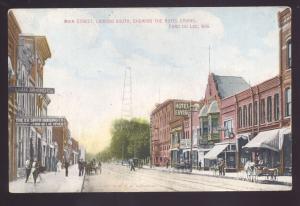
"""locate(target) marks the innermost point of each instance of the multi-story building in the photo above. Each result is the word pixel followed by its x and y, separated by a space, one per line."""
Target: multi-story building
pixel 218 88
pixel 164 122
pixel 258 119
pixel 75 151
pixel 13 36
pixel 33 51
pixel 62 136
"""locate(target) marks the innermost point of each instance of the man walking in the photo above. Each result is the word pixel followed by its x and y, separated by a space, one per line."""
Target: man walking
pixel 35 172
pixel 28 169
pixel 67 167
pixel 132 165
pixel 80 167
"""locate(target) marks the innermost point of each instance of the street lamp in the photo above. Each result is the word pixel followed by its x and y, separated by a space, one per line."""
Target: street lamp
pixel 193 108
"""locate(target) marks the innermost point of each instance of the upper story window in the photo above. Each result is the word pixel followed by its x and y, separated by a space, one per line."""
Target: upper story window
pixel 262 112
pixel 228 128
pixel 240 117
pixel 269 109
pixel 245 116
pixel 255 113
pixel 288 102
pixel 289 54
pixel 250 114
pixel 276 107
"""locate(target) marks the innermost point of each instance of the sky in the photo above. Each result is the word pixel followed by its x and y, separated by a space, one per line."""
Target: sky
pixel 89 58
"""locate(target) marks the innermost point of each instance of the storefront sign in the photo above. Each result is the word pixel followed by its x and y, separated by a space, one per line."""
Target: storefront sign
pixel 185 143
pixel 182 108
pixel 40 121
pixel 35 90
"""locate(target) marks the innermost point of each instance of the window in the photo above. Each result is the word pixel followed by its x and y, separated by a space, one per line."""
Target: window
pixel 245 116
pixel 250 114
pixel 228 128
pixel 288 102
pixel 269 109
pixel 262 111
pixel 240 117
pixel 255 113
pixel 276 107
pixel 289 54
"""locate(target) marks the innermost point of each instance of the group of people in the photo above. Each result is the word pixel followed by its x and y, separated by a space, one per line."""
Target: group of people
pixel 32 168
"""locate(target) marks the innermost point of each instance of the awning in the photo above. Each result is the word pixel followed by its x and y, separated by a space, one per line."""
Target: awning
pixel 284 131
pixel 268 139
pixel 215 151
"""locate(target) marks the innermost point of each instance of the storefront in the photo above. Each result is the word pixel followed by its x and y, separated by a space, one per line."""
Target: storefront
pixel 242 155
pixel 225 151
pixel 274 148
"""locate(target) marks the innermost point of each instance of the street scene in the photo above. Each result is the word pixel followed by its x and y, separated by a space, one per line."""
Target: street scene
pixel 150 99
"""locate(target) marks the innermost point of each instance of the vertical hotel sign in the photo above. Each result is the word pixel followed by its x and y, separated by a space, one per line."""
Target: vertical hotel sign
pixel 182 108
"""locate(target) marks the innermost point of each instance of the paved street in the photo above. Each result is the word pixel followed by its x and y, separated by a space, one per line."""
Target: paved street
pixel 118 178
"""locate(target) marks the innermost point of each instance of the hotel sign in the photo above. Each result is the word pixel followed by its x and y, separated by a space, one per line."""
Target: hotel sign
pixel 40 121
pixel 36 90
pixel 182 108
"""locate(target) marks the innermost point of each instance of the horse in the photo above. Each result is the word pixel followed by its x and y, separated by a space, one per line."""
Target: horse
pixel 272 172
pixel 215 169
pixel 250 170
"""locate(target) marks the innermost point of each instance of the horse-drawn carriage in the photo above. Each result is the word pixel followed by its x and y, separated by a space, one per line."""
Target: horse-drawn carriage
pixel 254 171
pixel 92 168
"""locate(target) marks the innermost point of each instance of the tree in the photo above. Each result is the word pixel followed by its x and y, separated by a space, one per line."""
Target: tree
pixel 130 138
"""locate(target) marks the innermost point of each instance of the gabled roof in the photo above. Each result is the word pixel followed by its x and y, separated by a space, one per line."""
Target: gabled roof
pixel 230 85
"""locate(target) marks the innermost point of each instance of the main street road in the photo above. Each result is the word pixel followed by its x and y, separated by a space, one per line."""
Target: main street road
pixel 118 178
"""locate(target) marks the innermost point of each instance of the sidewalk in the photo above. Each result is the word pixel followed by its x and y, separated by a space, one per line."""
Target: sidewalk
pixel 50 182
pixel 281 180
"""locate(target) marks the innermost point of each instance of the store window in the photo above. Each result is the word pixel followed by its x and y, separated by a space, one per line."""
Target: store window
pixel 276 107
pixel 288 102
pixel 262 112
pixel 269 109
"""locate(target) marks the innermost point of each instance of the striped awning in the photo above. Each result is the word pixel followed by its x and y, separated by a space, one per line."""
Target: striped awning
pixel 215 151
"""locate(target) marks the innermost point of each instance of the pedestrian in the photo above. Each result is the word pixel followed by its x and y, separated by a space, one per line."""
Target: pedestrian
pixel 132 165
pixel 35 170
pixel 58 166
pixel 100 166
pixel 80 167
pixel 222 167
pixel 28 165
pixel 67 167
pixel 200 165
pixel 167 163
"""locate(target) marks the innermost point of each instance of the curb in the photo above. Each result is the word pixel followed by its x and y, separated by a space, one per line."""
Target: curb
pixel 82 182
pixel 227 177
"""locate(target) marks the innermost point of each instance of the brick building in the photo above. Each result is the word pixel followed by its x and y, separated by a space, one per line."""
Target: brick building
pixel 259 118
pixel 162 117
pixel 218 88
pixel 75 151
pixel 13 37
pixel 62 136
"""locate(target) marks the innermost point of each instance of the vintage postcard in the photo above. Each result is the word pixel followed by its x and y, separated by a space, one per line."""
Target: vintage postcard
pixel 150 99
